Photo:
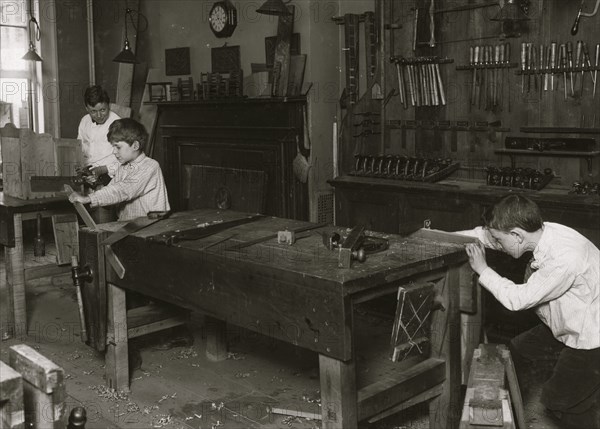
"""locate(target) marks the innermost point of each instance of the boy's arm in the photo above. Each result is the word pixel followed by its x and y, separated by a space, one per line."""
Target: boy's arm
pixel 137 183
pixel 545 284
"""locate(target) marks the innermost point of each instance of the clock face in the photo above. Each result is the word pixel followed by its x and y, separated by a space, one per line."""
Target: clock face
pixel 223 18
pixel 218 18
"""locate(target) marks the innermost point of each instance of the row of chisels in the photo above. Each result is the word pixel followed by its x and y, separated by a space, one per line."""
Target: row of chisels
pixel 541 63
pixel 420 81
pixel 488 64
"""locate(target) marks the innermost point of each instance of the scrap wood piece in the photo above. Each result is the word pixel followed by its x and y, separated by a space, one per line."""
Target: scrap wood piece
pixel 295 413
pixel 285 27
pixel 43 386
pixel 12 414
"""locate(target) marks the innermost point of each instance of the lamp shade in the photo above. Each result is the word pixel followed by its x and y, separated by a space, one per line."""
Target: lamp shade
pixel 31 55
pixel 510 12
pixel 274 7
pixel 126 55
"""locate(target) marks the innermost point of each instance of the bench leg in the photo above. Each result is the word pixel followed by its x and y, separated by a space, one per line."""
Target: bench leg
pixel 15 282
pixel 117 355
pixel 339 398
pixel 216 339
pixel 445 410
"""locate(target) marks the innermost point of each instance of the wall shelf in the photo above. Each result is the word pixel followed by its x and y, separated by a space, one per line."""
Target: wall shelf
pixel 513 153
pixel 566 130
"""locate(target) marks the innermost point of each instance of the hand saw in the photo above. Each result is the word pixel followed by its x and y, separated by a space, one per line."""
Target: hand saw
pixel 135 225
pixel 54 183
pixel 205 230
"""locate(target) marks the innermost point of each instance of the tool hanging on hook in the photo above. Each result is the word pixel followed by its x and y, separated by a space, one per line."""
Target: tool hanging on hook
pixel 575 27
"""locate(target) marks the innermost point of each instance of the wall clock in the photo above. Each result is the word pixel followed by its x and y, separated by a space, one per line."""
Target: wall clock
pixel 222 18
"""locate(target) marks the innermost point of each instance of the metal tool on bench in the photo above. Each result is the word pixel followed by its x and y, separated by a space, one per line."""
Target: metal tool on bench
pixel 288 233
pixel 355 247
pixel 201 231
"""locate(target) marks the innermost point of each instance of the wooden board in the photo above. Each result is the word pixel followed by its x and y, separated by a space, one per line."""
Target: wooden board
pixel 296 77
pixel 30 154
pixel 147 113
pixel 66 237
pixel 281 62
pixel 69 156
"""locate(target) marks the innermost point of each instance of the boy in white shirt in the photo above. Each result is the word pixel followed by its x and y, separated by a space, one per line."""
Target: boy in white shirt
pixel 563 288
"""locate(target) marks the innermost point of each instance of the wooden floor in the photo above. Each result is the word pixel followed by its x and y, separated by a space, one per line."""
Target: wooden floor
pixel 179 388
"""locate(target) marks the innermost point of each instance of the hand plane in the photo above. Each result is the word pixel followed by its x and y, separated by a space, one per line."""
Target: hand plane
pixel 355 247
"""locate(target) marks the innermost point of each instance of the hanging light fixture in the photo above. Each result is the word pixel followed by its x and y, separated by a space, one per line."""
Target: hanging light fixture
pixel 126 55
pixel 274 7
pixel 32 55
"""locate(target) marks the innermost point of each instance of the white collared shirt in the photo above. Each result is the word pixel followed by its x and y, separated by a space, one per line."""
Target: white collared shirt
pixel 97 150
pixel 138 188
pixel 563 289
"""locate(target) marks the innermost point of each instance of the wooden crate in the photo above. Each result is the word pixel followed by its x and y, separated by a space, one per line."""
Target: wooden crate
pixel 26 153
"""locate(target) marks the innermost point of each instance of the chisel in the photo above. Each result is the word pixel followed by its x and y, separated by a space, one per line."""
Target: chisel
pixel 523 65
pixel 570 62
pixel 400 84
pixel 474 84
pixel 563 65
pixel 578 61
pixel 529 63
pixel 533 65
pixel 596 70
pixel 411 88
pixel 440 84
pixel 586 60
pixel 547 69
pixel 553 46
pixel 541 66
pixel 507 60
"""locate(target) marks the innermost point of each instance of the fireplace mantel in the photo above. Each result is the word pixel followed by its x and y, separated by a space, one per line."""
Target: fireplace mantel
pixel 247 134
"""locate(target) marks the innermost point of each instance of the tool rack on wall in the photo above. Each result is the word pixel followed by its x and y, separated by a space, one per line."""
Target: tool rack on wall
pixel 466 112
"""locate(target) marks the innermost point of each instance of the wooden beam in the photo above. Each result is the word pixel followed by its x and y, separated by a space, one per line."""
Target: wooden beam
pixel 390 392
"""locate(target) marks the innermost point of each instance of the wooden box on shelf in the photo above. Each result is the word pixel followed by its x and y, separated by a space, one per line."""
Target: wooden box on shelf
pixel 26 153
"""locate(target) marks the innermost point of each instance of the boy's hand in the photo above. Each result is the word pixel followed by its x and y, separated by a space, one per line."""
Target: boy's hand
pixel 476 252
pixel 78 198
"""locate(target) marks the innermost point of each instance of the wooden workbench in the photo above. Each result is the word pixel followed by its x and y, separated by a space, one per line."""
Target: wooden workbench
pixel 298 294
pixel 13 211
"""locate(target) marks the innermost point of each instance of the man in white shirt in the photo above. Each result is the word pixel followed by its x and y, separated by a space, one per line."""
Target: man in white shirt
pixel 97 151
pixel 93 129
pixel 563 288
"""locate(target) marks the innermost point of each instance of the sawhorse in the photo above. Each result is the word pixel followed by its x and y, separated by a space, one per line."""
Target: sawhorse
pixel 487 401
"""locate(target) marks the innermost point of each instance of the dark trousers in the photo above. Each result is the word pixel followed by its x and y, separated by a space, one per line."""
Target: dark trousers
pixel 572 392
